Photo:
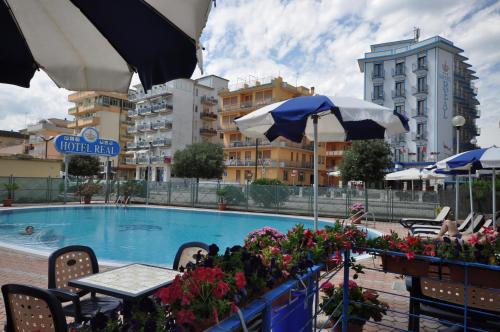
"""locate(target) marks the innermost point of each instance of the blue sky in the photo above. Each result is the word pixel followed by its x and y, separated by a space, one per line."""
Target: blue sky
pixel 314 43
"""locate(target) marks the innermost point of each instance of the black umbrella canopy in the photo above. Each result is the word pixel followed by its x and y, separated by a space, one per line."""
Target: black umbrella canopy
pixel 97 45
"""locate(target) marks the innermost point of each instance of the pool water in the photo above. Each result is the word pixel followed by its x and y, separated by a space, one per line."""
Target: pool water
pixel 132 234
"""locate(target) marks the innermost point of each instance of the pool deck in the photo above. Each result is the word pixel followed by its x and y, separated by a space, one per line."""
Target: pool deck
pixel 28 268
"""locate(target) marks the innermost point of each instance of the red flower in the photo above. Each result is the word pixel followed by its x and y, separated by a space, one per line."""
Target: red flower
pixel 307 233
pixel 488 230
pixel 185 316
pixel 234 307
pixel 240 280
pixel 327 285
pixel 287 259
pixel 275 250
pixel 370 295
pixel 412 240
pixel 410 255
pixel 473 239
pixel 347 244
pixel 430 250
pixel 310 243
pixel 221 289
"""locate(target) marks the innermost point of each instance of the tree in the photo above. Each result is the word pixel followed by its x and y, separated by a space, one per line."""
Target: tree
pixel 366 161
pixel 269 192
pixel 83 165
pixel 199 160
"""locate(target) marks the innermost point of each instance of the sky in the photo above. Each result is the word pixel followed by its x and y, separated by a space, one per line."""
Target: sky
pixel 313 43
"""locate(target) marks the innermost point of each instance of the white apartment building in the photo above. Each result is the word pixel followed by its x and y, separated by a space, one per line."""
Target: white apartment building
pixel 169 117
pixel 430 82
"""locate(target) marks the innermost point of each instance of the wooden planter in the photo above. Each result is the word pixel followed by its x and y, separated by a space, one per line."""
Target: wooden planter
pixel 222 206
pixel 7 202
pixel 87 199
pixel 401 265
pixel 476 276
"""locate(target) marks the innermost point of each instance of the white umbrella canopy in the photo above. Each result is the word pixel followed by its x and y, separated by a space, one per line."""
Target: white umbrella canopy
pixel 406 174
pixel 98 45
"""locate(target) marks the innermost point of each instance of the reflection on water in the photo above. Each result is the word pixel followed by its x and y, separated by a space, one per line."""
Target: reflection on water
pixel 148 228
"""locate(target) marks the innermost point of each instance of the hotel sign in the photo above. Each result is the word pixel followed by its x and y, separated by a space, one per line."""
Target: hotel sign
pixel 87 143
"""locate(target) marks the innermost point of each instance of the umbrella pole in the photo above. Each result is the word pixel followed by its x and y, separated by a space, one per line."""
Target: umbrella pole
pixel 493 198
pixel 470 194
pixel 315 187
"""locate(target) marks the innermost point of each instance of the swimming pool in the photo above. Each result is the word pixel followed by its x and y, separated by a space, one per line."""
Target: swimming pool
pixel 132 234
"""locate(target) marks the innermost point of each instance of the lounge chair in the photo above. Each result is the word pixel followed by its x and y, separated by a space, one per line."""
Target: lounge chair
pixel 408 222
pixel 465 226
pixel 475 225
pixel 31 308
pixel 187 253
pixel 76 262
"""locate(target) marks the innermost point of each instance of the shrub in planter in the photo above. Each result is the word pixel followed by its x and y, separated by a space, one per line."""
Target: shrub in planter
pixel 10 188
pixel 269 192
pixel 87 190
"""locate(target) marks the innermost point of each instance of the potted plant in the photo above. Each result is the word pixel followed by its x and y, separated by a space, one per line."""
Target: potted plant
pixel 11 188
pixel 222 194
pixel 356 212
pixel 87 190
pixel 363 305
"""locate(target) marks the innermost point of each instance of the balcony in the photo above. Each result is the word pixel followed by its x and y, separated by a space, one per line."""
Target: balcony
pixel 419 114
pixel 132 130
pixel 288 144
pixel 420 67
pixel 144 111
pixel 143 160
pixel 419 138
pixel 145 127
pixel 130 161
pixel 399 73
pixel 268 163
pixel 228 127
pixel 208 132
pixel 73 111
pixel 209 100
pixel 399 94
pixel 84 122
pixel 209 116
pixel 162 125
pixel 378 98
pixel 335 153
pixel 398 140
pixel 142 144
pixel 133 113
pixel 378 75
pixel 162 142
pixel 420 90
pixel 131 145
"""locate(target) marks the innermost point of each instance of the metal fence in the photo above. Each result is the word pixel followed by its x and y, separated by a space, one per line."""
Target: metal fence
pixel 385 204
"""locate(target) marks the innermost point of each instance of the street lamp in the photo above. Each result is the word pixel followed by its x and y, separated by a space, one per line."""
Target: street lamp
pixel 458 121
pixel 46 140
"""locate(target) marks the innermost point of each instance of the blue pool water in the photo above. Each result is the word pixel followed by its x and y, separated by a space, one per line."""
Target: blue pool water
pixel 132 234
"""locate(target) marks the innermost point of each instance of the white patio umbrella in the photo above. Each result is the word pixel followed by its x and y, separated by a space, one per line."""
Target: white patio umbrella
pixel 341 118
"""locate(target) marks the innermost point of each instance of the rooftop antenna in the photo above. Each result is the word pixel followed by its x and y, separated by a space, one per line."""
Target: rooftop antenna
pixel 416 33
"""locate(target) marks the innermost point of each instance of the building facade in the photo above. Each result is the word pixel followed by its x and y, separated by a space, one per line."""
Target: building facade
pixel 42 134
pixel 169 117
pixel 430 82
pixel 334 153
pixel 247 159
pixel 108 112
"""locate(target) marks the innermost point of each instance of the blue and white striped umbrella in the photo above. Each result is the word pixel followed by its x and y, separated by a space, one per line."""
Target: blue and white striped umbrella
pixel 470 161
pixel 340 119
pixel 98 45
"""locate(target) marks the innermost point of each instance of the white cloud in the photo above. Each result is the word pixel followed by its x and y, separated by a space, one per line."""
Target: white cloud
pixel 315 43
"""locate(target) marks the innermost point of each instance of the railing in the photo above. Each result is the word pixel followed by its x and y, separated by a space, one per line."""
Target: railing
pixel 269 163
pixel 131 130
pixel 143 144
pixel 399 72
pixel 419 136
pixel 378 74
pixel 419 114
pixel 208 116
pixel 130 161
pixel 378 96
pixel 131 145
pixel 420 90
pixel 419 67
pixel 208 131
pixel 162 142
pixel 399 93
pixel 133 113
pixel 209 100
pixel 227 126
pixel 335 153
pixel 408 48
pixel 238 144
pixel 162 125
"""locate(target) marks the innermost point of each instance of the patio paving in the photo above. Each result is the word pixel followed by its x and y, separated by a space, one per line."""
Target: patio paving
pixel 31 269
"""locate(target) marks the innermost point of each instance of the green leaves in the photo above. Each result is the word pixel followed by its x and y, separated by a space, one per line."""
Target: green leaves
pixel 199 160
pixel 83 166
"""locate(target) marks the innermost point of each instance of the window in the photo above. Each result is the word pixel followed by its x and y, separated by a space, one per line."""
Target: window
pixel 400 108
pixel 400 68
pixel 421 153
pixel 263 97
pixel 422 62
pixel 422 84
pixel 285 175
pixel 291 155
pixel 196 92
pixel 421 107
pixel 378 70
pixel 267 154
pixel 230 102
pixel 378 91
pixel 248 155
pixel 196 108
pixel 114 102
pixel 400 89
pixel 421 130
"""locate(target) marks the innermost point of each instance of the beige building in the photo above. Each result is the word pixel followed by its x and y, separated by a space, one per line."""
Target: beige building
pixel 281 159
pixel 108 113
pixel 12 142
pixel 29 167
pixel 41 137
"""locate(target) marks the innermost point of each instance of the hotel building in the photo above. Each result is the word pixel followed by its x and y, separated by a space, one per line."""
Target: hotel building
pixel 169 117
pixel 42 134
pixel 430 82
pixel 289 162
pixel 108 113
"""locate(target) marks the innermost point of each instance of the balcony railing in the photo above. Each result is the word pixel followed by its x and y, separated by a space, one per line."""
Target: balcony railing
pixel 143 160
pixel 131 145
pixel 399 72
pixel 73 111
pixel 334 153
pixel 420 66
pixel 144 127
pixel 132 130
pixel 162 142
pixel 378 74
pixel 130 161
pixel 238 144
pixel 133 113
pixel 378 96
pixel 268 163
pixel 398 139
pixel 208 116
pixel 420 90
pixel 228 127
pixel 419 114
pixel 145 111
pixel 419 137
pixel 142 144
pixel 162 125
pixel 208 131
pixel 398 94
pixel 211 100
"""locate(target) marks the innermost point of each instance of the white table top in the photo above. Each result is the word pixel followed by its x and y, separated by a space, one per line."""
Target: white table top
pixel 131 280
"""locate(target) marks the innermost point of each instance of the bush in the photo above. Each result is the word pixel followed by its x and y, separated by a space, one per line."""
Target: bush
pixel 269 192
pixel 231 195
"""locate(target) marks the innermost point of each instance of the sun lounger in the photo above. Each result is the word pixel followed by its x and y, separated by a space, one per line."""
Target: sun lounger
pixel 423 228
pixel 473 226
pixel 408 222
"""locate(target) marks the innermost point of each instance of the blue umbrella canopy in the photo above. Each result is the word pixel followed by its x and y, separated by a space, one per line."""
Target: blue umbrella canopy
pixel 98 45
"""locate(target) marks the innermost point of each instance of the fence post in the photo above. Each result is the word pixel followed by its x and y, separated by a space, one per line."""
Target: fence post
pixel 247 188
pixel 48 189
pixel 345 296
pixel 169 192
pixel 276 198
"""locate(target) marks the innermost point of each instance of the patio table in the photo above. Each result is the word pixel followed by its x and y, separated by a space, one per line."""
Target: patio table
pixel 130 283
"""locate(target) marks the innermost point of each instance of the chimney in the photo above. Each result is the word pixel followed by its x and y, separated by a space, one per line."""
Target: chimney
pixel 312 90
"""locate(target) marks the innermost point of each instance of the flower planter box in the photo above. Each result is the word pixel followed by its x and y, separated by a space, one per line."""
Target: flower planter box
pixel 476 276
pixel 401 265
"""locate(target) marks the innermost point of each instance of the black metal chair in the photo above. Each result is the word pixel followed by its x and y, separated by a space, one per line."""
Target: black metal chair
pixel 30 308
pixel 188 252
pixel 77 262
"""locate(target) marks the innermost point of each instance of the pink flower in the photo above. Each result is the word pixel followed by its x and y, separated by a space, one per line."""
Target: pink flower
pixel 240 280
pixel 327 285
pixel 221 289
pixel 473 239
pixel 410 255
